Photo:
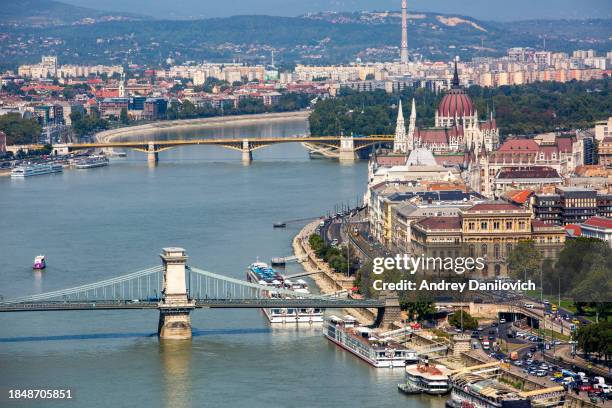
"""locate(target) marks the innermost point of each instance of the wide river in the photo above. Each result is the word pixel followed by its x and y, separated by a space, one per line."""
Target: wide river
pixel 100 223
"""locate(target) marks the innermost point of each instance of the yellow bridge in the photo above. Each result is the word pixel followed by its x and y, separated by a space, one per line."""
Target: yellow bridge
pixel 344 146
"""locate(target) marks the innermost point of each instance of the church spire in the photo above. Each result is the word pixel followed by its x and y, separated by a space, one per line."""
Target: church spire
pixel 399 142
pixel 411 127
pixel 455 82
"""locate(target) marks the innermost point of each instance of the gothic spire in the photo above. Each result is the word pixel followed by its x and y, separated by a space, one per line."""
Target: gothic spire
pixel 456 76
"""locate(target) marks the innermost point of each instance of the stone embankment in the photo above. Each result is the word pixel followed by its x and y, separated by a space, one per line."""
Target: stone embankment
pixel 110 135
pixel 324 277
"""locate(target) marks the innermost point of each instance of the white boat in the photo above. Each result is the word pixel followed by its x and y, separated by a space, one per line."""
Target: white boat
pixel 261 273
pixel 426 378
pixel 365 343
pixel 39 262
pixel 92 162
pixel 31 170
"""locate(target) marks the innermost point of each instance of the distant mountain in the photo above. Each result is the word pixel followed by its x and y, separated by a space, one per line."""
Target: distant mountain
pixel 315 38
pixel 41 13
pixel 576 31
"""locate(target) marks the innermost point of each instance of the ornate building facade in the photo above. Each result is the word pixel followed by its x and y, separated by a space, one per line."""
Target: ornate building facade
pixel 457 127
pixel 488 230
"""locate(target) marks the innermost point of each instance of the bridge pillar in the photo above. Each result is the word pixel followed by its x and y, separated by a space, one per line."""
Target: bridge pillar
pixel 247 154
pixel 389 313
pixel 347 149
pixel 175 306
pixel 60 149
pixel 152 155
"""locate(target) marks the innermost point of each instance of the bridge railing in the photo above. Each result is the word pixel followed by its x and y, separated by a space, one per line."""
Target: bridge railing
pixel 146 285
pixel 136 285
pixel 204 284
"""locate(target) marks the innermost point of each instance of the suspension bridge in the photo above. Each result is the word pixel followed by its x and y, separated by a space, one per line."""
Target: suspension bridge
pixel 345 146
pixel 175 289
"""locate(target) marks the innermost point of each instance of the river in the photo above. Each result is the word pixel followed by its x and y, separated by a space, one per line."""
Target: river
pixel 101 223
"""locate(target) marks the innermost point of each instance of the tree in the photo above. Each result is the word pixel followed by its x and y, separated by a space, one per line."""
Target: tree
pixel 123 117
pixel 577 257
pixel 87 124
pixel 524 261
pixel 458 318
pixel 418 304
pixel 595 338
pixel 19 130
pixel 595 284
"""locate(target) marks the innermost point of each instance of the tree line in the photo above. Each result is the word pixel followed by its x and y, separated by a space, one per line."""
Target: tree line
pixel 519 109
pixel 19 130
pixel 335 257
pixel 581 272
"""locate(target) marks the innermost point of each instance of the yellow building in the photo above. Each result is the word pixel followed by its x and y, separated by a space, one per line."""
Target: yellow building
pixel 487 230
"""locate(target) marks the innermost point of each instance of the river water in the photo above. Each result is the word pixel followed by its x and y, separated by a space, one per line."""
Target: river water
pixel 101 223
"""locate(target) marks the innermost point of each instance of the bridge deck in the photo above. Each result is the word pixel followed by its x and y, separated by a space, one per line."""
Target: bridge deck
pixel 228 141
pixel 199 303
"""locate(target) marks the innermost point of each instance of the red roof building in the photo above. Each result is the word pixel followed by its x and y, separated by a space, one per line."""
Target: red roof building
pixel 598 227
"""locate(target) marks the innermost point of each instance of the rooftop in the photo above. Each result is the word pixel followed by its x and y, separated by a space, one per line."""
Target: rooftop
pixel 528 173
pixel 493 206
pixel 441 223
pixel 598 222
pixel 421 157
pixel 519 145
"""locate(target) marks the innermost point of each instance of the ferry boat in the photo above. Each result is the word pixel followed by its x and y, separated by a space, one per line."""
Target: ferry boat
pixel 425 377
pixel 39 262
pixel 92 162
pixel 263 274
pixel 368 344
pixel 31 170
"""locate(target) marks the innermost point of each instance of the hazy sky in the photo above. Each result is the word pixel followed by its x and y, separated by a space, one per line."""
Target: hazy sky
pixel 502 10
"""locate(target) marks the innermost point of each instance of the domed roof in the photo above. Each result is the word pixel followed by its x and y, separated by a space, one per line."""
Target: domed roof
pixel 456 103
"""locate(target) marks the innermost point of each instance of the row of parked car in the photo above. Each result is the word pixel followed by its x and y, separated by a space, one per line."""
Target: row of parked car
pixel 570 379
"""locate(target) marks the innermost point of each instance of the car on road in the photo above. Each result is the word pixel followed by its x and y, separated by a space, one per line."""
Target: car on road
pixel 502 321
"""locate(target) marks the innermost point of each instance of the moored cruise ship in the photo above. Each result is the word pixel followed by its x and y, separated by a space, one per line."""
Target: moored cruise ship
pixel 31 170
pixel 425 377
pixel 92 162
pixel 263 274
pixel 366 343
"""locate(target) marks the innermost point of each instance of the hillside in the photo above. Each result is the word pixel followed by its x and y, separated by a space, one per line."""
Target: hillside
pixel 316 38
pixel 41 13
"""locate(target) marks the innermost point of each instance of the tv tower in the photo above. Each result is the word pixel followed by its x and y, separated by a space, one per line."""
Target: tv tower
pixel 404 49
